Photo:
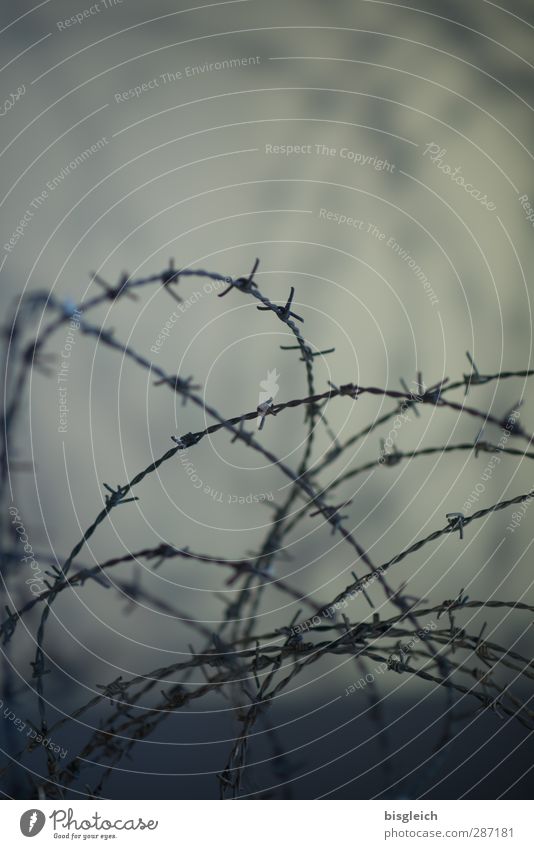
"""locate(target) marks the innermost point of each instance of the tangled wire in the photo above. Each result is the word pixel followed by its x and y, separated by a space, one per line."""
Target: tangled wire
pixel 251 666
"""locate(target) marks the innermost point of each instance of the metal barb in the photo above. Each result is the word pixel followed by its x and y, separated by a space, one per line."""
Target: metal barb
pixel 263 410
pixel 244 284
pixel 284 313
pixel 456 520
pixel 475 378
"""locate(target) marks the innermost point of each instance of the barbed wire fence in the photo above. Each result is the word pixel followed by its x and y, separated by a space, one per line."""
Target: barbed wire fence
pixel 242 660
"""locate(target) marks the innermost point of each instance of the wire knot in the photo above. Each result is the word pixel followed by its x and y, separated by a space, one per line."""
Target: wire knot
pixel 456 522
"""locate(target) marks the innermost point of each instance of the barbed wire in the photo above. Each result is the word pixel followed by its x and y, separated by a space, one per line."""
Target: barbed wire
pixel 249 668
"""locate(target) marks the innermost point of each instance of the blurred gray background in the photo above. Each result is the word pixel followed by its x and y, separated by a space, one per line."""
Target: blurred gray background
pixel 187 168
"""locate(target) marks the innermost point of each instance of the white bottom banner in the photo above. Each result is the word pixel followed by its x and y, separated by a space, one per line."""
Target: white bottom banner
pixel 369 823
